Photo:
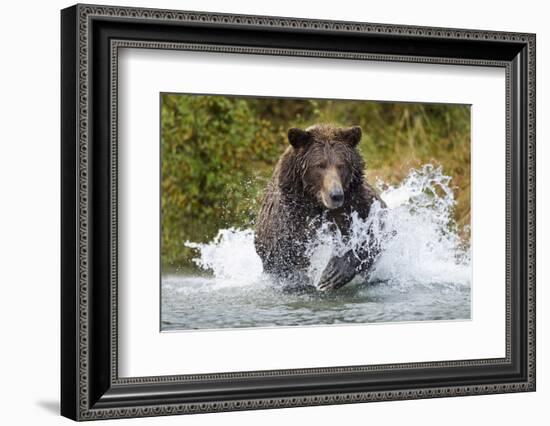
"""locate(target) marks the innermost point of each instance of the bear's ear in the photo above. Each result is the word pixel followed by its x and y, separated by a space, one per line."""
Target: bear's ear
pixel 298 138
pixel 352 135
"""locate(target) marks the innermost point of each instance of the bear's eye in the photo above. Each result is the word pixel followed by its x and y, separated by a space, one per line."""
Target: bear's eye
pixel 322 165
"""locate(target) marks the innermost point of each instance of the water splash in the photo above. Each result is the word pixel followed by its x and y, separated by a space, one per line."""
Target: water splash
pixel 419 240
pixel 231 257
pixel 425 246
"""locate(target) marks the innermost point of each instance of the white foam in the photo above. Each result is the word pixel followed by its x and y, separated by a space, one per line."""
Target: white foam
pixel 231 257
pixel 420 241
pixel 418 237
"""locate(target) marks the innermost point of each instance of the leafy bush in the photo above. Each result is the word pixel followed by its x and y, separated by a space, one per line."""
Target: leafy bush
pixel 213 150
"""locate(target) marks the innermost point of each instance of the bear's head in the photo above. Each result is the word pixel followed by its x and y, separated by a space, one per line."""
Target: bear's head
pixel 323 163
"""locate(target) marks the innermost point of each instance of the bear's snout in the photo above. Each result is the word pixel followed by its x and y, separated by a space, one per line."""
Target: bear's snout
pixel 332 193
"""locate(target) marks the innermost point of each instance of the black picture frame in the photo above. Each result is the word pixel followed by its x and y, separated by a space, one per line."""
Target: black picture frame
pixel 90 386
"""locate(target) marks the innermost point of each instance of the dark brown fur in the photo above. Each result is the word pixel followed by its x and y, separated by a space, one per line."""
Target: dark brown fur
pixel 295 202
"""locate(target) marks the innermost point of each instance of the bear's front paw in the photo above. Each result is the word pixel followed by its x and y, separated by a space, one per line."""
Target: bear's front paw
pixel 337 273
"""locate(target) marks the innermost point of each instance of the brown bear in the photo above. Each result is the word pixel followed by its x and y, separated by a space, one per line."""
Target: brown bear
pixel 318 179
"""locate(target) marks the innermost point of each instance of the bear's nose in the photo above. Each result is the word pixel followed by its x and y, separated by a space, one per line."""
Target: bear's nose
pixel 337 196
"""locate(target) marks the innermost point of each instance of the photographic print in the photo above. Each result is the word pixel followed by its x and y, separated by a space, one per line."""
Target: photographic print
pixel 283 212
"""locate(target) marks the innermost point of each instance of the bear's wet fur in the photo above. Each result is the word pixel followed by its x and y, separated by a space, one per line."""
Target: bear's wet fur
pixel 319 178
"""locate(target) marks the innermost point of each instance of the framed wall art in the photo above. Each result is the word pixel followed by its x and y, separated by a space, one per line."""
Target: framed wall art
pixel 263 212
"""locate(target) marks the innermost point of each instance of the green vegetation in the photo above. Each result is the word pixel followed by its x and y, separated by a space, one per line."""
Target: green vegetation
pixel 218 153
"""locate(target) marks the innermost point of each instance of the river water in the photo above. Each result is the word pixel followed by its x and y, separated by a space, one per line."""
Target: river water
pixel 423 273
